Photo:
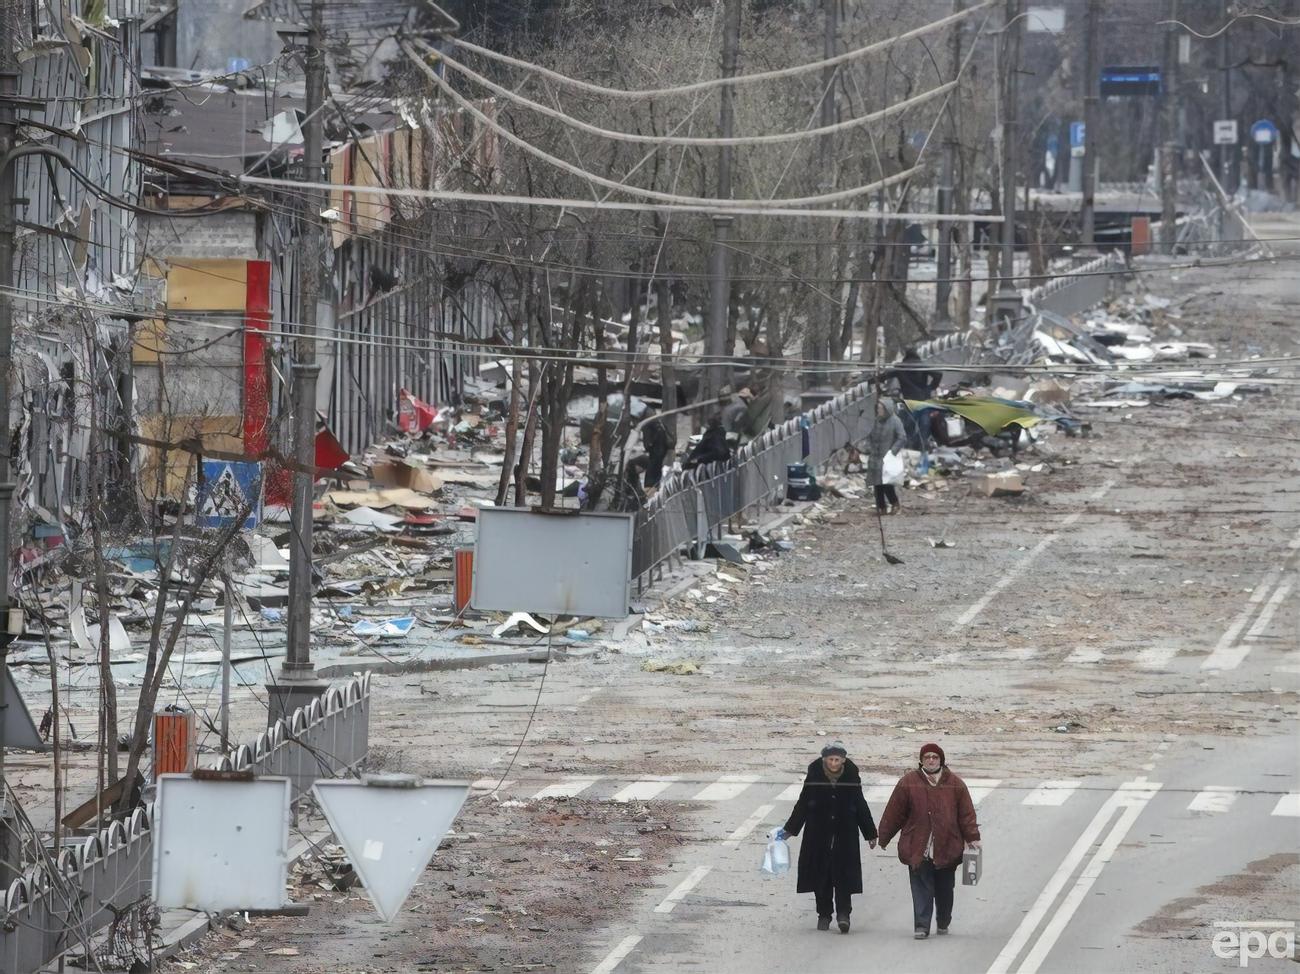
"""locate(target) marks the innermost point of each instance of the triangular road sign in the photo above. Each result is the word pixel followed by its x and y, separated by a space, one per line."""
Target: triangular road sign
pixel 390 827
pixel 19 730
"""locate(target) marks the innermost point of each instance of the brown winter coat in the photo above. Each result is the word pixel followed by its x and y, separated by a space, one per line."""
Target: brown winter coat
pixel 917 807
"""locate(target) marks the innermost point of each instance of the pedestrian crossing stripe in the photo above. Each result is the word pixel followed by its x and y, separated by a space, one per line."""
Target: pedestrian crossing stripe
pixel 726 788
pixel 1053 793
pixel 644 791
pixel 1214 798
pixel 1288 805
pixel 570 788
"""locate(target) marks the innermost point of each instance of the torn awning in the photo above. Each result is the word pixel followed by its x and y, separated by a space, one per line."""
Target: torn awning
pixel 990 414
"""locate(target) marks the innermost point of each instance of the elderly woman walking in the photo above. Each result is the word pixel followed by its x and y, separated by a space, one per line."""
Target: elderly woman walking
pixel 834 809
pixel 887 436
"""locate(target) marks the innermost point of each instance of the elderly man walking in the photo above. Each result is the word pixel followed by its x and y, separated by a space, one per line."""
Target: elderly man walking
pixel 833 807
pixel 932 809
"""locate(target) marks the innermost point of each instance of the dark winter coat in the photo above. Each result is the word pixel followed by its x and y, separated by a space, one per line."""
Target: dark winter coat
pixel 835 814
pixel 916 807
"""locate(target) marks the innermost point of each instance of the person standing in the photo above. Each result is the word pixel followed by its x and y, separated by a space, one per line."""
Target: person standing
pixel 834 809
pixel 932 809
pixel 887 436
pixel 657 442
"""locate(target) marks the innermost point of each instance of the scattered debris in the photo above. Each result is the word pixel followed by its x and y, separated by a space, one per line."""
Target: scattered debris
pixel 675 667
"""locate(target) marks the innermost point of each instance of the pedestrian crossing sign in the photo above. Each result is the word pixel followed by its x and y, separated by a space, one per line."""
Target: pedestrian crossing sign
pixel 229 487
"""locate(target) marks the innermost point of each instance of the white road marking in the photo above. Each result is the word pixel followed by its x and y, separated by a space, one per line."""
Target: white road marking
pixel 791 793
pixel 1266 616
pixel 644 790
pixel 1083 655
pixel 1019 568
pixel 1226 654
pixel 1100 492
pixel 1056 926
pixel 615 956
pixel 727 787
pixel 1288 805
pixel 1012 573
pixel 980 788
pixel 1155 657
pixel 1213 798
pixel 1230 657
pixel 754 821
pixel 569 788
pixel 1052 793
pixel 1132 796
pixel 683 889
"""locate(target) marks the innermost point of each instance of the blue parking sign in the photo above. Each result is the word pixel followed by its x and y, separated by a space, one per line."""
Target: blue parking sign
pixel 229 487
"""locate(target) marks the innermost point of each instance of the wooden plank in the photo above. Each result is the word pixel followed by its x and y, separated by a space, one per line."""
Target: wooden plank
pixel 202 284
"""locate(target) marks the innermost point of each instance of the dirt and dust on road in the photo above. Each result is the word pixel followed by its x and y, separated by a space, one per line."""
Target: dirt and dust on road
pixel 1053 634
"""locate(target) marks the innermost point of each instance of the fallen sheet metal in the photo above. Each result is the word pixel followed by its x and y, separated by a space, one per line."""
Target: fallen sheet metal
pixel 384 628
pixel 369 518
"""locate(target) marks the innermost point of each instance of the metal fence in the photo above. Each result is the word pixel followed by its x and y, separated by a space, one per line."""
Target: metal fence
pixel 56 905
pixel 329 736
pixel 1078 289
pixel 693 506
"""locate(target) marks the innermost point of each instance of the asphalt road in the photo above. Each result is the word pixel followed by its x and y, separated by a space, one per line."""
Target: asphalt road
pixel 1070 870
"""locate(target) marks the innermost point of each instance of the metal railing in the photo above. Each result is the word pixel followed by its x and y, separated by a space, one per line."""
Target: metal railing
pixel 48 911
pixel 693 506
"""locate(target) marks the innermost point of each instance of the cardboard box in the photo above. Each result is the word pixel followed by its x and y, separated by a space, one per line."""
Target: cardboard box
pixel 396 474
pixel 1004 484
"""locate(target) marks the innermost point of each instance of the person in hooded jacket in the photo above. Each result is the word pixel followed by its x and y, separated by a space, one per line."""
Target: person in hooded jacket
pixel 932 813
pixel 834 809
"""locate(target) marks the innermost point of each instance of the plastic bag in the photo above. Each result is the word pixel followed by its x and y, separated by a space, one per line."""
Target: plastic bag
pixel 776 857
pixel 892 468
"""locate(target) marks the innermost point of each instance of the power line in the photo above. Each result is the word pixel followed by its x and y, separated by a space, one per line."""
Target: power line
pixel 623 186
pixel 685 140
pixel 735 81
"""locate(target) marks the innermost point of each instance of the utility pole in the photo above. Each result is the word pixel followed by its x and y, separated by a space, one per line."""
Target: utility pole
pixel 943 268
pixel 720 262
pixel 816 344
pixel 10 626
pixel 296 683
pixel 1169 136
pixel 1006 303
pixel 1227 153
pixel 1091 135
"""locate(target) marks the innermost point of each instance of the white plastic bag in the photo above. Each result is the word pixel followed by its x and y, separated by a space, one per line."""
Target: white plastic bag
pixel 776 857
pixel 892 468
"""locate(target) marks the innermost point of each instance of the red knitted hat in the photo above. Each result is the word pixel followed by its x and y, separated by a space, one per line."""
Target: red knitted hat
pixel 933 749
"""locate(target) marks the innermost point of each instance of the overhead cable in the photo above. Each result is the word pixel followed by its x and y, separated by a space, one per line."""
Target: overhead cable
pixel 622 187
pixel 667 140
pixel 736 80
pixel 706 206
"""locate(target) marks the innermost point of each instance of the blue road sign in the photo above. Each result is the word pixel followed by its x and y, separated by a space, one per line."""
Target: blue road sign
pixel 1077 134
pixel 230 486
pixel 1264 132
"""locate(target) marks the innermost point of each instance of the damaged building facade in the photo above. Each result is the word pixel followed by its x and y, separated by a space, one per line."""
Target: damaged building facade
pixel 77 254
